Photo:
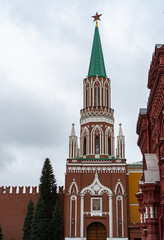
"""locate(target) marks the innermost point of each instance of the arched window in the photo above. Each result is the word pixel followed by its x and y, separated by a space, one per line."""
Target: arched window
pixel 106 97
pixel 87 97
pixel 97 148
pixel 85 147
pixel 109 146
pixel 97 96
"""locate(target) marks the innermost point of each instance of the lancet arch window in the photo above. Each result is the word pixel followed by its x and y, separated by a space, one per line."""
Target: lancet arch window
pixel 87 97
pixel 109 141
pixel 97 96
pixel 109 145
pixel 84 141
pixel 97 145
pixel 85 147
pixel 106 97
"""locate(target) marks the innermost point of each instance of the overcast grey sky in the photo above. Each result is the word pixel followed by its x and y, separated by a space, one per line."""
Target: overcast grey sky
pixel 45 48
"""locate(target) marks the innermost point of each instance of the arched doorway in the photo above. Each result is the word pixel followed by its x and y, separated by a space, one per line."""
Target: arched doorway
pixel 96 231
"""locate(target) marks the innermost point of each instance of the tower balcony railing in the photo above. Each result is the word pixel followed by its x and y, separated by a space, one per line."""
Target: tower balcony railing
pixel 97 111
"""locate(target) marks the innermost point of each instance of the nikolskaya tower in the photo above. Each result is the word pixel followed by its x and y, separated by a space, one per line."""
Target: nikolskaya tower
pixel 96 181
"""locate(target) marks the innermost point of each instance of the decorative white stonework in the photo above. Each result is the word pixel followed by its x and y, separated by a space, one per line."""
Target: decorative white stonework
pixel 96 213
pixel 144 217
pixel 146 212
pixel 99 187
pixel 98 117
pixel 151 212
pixel 75 189
pixel 96 170
pixel 121 186
pixel 141 218
pixel 96 189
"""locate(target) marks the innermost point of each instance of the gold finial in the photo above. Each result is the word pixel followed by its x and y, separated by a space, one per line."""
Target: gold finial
pixel 96 18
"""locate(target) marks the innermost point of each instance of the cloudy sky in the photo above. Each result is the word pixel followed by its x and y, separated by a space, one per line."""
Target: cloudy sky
pixel 45 48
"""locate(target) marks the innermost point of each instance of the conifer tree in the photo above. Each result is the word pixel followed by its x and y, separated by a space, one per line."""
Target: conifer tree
pixel 1 235
pixel 28 220
pixel 55 229
pixel 39 227
pixel 48 188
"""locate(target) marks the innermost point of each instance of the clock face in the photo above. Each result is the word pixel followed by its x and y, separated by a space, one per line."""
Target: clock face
pixel 96 204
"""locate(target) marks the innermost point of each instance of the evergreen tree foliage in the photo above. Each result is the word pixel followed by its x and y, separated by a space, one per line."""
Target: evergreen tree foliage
pixel 55 229
pixel 1 235
pixel 28 220
pixel 48 188
pixel 39 227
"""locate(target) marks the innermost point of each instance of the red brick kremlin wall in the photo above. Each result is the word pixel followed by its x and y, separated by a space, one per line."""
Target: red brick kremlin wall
pixel 13 209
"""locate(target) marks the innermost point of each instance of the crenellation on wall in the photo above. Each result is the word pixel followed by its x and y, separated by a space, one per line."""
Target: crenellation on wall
pixel 27 189
pixel 22 190
pixel 61 189
pixel 14 190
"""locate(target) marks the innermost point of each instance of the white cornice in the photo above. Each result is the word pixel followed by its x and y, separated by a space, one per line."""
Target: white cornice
pixel 97 119
pixel 96 164
pixel 96 169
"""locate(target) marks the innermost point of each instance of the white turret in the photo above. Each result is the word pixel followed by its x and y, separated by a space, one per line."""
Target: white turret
pixel 121 143
pixel 73 145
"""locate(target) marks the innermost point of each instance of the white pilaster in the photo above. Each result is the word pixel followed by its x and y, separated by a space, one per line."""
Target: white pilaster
pixel 82 217
pixel 75 216
pixel 70 216
pixel 110 217
pixel 122 216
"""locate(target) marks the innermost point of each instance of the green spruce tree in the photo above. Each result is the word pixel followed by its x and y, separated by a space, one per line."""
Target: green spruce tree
pixel 48 188
pixel 39 227
pixel 28 220
pixel 1 235
pixel 55 229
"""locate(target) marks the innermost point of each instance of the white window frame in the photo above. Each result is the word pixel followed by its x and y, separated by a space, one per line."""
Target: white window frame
pixel 92 204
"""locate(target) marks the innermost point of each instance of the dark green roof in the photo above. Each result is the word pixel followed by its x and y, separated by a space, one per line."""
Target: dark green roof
pixel 97 66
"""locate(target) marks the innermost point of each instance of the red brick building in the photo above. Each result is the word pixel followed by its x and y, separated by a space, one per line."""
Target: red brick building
pixel 150 130
pixel 99 199
pixel 96 181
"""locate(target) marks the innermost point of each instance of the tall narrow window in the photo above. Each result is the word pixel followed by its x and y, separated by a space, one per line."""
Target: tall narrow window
pixel 85 147
pixel 109 146
pixel 97 147
pixel 97 96
pixel 87 97
pixel 106 97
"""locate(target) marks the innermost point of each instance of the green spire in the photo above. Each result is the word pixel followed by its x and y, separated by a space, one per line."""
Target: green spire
pixel 97 66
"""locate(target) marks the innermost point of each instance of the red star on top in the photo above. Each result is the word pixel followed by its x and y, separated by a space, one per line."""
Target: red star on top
pixel 97 17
